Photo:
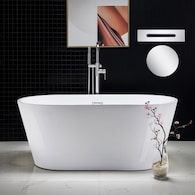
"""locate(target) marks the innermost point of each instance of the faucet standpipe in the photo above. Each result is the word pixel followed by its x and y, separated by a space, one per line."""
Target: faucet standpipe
pixel 94 71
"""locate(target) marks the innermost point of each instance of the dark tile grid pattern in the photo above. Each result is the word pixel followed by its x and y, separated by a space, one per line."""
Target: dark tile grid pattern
pixel 34 58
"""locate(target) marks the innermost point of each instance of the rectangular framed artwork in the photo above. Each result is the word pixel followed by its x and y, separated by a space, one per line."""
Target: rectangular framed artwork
pixel 91 21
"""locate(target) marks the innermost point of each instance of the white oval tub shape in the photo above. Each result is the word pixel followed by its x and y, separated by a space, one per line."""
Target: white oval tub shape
pixel 93 132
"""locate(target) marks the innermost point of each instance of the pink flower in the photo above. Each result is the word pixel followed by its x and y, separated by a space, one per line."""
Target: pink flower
pixel 159 116
pixel 176 122
pixel 178 136
pixel 161 123
pixel 147 106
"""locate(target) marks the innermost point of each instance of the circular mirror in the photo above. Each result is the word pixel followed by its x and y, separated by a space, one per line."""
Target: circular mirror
pixel 162 60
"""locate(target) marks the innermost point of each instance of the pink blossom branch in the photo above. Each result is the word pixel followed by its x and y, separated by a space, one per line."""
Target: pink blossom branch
pixel 176 127
pixel 161 126
pixel 152 113
pixel 158 142
pixel 160 145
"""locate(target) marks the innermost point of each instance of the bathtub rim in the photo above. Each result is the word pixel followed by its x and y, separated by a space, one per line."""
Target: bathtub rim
pixel 24 100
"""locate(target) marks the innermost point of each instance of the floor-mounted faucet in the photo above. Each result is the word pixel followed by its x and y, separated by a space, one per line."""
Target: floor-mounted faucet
pixel 94 71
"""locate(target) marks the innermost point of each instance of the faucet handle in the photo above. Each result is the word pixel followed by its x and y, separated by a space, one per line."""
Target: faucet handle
pixel 103 71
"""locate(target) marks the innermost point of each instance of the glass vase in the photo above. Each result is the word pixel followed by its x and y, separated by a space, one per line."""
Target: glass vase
pixel 160 169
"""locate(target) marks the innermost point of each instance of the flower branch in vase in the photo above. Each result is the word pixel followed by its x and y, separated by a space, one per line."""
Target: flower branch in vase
pixel 160 168
pixel 157 129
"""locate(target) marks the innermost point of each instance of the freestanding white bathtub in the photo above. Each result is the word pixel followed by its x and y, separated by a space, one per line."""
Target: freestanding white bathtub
pixel 93 132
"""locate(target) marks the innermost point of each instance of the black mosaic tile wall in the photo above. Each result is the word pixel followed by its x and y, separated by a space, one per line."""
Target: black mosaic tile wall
pixel 34 58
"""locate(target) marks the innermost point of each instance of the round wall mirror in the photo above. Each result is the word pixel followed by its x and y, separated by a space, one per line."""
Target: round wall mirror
pixel 162 60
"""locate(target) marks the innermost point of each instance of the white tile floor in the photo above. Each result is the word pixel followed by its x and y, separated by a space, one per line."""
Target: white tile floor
pixel 18 176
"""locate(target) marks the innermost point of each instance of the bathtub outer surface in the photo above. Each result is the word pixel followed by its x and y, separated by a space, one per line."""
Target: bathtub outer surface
pixel 89 132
